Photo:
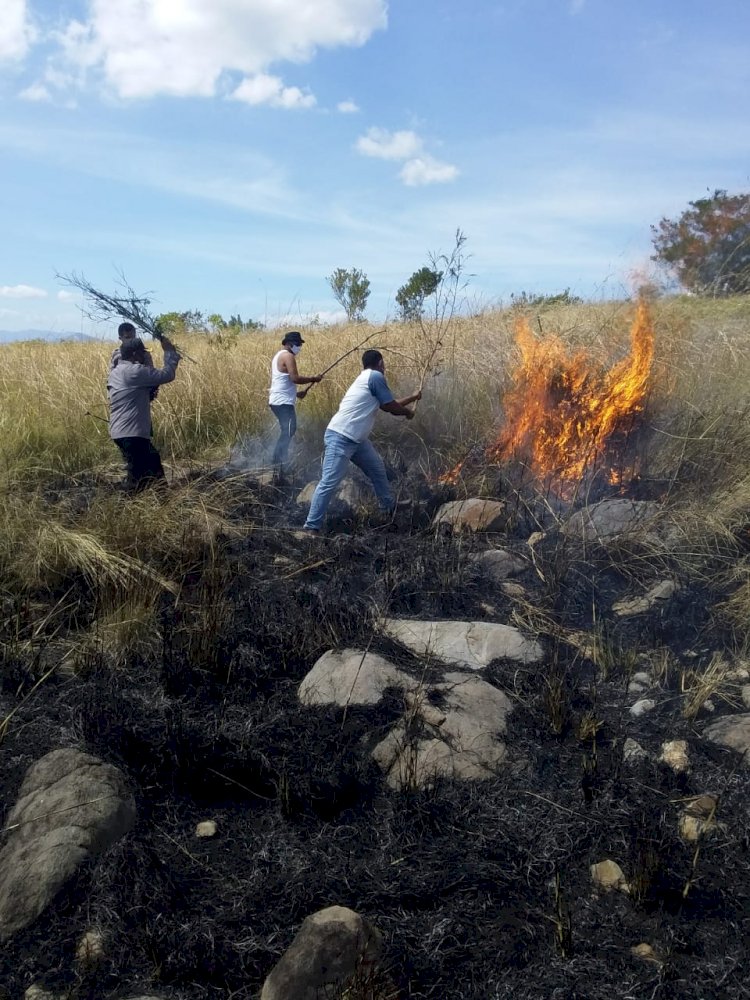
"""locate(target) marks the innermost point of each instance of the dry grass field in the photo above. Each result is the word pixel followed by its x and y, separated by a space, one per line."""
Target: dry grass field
pixel 168 632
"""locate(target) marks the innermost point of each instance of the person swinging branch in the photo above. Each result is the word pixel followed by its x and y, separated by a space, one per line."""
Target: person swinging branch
pixel 283 395
pixel 130 387
pixel 346 438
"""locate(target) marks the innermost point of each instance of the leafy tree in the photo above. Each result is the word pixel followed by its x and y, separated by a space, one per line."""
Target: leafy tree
pixel 351 289
pixel 177 324
pixel 708 246
pixel 411 296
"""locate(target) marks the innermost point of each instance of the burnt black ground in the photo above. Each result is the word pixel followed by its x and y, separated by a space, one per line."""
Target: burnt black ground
pixel 482 891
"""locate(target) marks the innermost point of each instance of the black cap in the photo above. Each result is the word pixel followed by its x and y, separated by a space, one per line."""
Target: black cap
pixel 293 337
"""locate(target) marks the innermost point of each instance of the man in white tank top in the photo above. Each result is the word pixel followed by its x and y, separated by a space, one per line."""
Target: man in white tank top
pixel 283 394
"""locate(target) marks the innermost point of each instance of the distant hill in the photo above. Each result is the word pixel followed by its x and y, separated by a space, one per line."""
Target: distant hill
pixel 8 335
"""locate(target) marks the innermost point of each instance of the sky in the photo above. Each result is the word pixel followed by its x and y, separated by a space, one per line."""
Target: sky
pixel 228 155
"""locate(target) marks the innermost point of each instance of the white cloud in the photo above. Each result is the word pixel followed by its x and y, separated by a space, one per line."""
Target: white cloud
pixel 419 168
pixel 425 170
pixel 385 145
pixel 16 33
pixel 22 292
pixel 36 92
pixel 150 47
pixel 347 107
pixel 64 296
pixel 265 89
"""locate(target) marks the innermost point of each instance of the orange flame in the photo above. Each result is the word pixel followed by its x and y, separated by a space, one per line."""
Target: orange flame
pixel 562 409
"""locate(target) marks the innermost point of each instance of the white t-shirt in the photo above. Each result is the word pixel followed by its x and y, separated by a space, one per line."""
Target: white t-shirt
pixel 357 411
pixel 283 391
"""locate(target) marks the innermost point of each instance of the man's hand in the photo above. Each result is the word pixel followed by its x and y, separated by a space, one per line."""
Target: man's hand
pixel 316 378
pixel 166 344
pixel 302 393
pixel 417 395
pixel 409 414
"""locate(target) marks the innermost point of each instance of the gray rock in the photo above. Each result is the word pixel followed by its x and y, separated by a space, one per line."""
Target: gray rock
pixel 732 731
pixel 330 946
pixel 464 744
pixel 499 564
pixel 632 751
pixel 658 594
pixel 472 515
pixel 349 493
pixel 351 677
pixel 745 695
pixel 70 806
pixel 642 706
pixel 470 645
pixel 608 519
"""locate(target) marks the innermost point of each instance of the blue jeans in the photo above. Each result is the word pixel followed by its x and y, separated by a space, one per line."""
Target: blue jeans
pixel 339 452
pixel 287 418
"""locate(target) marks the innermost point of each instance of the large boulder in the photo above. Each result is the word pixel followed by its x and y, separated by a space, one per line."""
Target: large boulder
pixel 351 677
pixel 460 740
pixel 331 946
pixel 472 515
pixel 470 645
pixel 732 731
pixel 608 519
pixel 71 806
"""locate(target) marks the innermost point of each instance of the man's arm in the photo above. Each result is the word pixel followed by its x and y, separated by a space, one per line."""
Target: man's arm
pixel 144 376
pixel 396 407
pixel 289 364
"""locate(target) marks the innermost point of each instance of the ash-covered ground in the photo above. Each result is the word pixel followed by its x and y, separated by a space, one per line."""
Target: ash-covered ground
pixel 482 890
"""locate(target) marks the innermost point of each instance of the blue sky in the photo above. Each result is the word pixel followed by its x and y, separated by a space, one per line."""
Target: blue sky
pixel 228 155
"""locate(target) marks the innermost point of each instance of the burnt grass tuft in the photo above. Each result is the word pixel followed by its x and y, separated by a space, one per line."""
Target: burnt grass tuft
pixel 481 890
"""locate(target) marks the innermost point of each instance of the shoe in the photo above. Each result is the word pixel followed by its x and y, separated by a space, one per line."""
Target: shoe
pixel 311 531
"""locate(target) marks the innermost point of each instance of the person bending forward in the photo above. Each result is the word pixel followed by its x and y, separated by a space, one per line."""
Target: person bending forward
pixel 130 386
pixel 346 437
pixel 283 396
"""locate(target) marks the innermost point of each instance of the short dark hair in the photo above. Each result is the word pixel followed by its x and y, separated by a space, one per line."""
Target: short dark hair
pixel 130 348
pixel 371 359
pixel 125 328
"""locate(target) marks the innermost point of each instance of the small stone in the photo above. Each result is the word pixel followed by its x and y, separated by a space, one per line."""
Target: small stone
pixel 90 949
pixel 661 592
pixel 608 876
pixel 37 993
pixel 511 589
pixel 740 674
pixel 642 677
pixel 644 951
pixel 708 706
pixel 699 818
pixel 642 706
pixel 633 751
pixel 207 828
pixel 674 753
pixel 636 688
pixel 746 695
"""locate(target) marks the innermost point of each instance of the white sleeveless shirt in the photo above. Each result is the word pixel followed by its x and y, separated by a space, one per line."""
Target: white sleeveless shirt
pixel 283 391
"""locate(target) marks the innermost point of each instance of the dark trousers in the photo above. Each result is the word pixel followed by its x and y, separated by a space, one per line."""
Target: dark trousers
pixel 287 418
pixel 142 462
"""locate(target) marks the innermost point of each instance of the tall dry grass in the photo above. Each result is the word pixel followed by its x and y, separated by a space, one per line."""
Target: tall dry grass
pixel 55 447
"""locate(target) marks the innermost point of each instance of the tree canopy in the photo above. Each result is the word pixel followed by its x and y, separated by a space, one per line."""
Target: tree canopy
pixel 708 246
pixel 351 289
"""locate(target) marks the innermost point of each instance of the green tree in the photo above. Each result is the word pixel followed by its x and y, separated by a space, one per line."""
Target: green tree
pixel 708 246
pixel 351 289
pixel 411 296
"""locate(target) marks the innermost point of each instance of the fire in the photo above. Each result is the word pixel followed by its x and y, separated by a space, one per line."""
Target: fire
pixel 563 410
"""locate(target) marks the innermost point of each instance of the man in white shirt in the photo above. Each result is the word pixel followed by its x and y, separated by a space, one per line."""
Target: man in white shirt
pixel 346 437
pixel 130 386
